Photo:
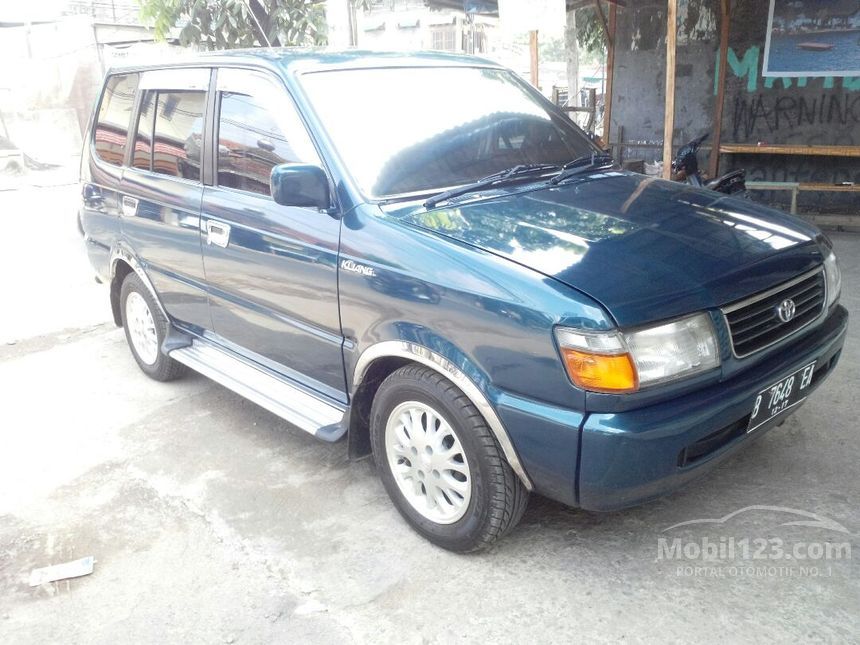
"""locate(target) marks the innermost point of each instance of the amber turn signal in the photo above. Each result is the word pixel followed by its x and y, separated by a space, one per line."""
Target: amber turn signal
pixel 600 372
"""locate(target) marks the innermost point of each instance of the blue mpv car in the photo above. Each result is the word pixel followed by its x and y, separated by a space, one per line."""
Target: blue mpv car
pixel 422 254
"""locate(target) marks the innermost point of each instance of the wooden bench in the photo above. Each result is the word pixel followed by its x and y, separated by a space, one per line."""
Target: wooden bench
pixel 796 187
pixel 787 149
pixel 793 186
pixel 835 188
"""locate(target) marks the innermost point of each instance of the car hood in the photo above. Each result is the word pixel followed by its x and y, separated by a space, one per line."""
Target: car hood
pixel 645 248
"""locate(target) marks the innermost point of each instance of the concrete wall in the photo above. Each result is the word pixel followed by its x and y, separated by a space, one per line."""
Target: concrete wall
pixel 48 83
pixel 42 63
pixel 791 111
pixel 51 75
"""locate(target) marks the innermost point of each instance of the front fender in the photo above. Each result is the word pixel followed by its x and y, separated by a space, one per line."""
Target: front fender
pixel 483 321
pixel 456 367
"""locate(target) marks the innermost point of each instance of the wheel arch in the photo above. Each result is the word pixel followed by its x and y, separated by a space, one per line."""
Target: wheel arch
pixel 381 359
pixel 122 262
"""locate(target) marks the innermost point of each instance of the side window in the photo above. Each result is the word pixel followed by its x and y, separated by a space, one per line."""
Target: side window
pixel 252 139
pixel 178 133
pixel 142 155
pixel 111 131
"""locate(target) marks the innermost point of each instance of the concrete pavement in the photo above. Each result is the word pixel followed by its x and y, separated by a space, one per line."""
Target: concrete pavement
pixel 213 521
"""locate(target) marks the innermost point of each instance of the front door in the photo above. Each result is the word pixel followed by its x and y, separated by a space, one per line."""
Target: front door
pixel 271 270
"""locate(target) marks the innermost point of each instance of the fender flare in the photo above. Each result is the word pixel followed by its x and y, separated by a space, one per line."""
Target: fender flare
pixel 435 361
pixel 121 252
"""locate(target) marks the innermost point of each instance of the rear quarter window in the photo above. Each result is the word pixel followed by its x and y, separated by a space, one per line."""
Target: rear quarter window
pixel 111 131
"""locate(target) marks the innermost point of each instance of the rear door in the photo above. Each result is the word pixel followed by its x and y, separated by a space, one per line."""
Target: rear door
pixel 106 152
pixel 162 189
pixel 271 269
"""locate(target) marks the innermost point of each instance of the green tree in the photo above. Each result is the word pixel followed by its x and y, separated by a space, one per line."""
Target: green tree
pixel 589 30
pixel 226 24
pixel 584 41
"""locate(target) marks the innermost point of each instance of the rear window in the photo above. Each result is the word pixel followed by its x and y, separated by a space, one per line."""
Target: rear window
pixel 111 132
pixel 178 137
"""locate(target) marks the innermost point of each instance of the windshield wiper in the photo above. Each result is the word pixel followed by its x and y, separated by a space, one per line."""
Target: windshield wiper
pixel 491 180
pixel 583 164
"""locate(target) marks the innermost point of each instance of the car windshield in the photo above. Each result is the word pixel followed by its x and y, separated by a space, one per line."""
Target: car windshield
pixel 416 130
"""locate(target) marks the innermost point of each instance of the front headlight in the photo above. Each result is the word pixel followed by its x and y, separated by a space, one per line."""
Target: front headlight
pixel 616 361
pixel 832 274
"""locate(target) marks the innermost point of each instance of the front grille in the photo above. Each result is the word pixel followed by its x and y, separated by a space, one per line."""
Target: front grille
pixel 755 324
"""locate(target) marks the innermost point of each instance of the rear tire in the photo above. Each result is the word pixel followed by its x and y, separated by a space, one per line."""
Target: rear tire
pixel 440 463
pixel 145 330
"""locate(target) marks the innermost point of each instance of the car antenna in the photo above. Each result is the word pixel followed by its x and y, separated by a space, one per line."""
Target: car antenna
pixel 257 22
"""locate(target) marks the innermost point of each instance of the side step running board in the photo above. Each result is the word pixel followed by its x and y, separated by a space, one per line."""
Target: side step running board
pixel 320 418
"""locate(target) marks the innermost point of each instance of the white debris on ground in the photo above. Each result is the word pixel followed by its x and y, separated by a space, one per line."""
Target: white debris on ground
pixel 52 573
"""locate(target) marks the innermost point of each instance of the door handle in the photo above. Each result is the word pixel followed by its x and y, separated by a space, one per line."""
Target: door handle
pixel 217 233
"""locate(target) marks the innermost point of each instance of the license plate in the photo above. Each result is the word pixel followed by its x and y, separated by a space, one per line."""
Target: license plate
pixel 781 396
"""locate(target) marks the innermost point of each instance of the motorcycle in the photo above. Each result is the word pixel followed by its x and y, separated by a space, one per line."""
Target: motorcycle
pixel 685 167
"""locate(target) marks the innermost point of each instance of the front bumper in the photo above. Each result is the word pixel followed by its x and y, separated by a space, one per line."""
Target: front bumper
pixel 629 457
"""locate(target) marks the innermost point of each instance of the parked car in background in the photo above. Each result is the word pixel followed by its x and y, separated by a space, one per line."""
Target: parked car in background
pixel 447 271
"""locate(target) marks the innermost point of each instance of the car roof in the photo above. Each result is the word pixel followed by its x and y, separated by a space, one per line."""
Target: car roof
pixel 311 59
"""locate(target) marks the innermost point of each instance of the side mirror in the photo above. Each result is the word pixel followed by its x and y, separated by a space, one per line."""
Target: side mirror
pixel 300 184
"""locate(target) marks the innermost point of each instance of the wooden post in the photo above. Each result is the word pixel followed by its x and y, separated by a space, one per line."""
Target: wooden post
pixel 533 54
pixel 669 117
pixel 610 74
pixel 353 26
pixel 714 163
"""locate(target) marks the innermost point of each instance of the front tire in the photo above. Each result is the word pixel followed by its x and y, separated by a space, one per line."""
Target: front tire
pixel 440 463
pixel 145 330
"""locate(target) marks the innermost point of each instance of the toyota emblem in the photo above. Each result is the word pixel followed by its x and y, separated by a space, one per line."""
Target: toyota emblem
pixel 785 310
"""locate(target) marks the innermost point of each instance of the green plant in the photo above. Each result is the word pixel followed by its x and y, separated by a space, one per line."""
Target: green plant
pixel 226 24
pixel 589 30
